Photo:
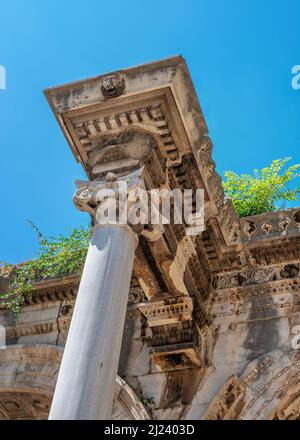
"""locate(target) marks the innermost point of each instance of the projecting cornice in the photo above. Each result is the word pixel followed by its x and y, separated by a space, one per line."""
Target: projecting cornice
pixel 151 97
pixel 146 115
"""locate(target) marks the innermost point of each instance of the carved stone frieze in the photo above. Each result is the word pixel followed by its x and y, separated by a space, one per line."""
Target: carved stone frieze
pixel 273 225
pixel 17 331
pixel 226 404
pixel 289 409
pixel 230 223
pixel 103 137
pixel 167 311
pixel 251 292
pixel 64 289
pixel 24 406
pixel 274 252
pixel 256 276
pixel 261 366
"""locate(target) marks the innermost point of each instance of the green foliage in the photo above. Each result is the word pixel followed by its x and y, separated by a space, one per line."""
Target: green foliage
pixel 56 257
pixel 147 401
pixel 258 193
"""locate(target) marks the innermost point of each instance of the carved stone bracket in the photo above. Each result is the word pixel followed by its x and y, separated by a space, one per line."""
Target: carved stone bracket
pixel 172 344
pixel 167 311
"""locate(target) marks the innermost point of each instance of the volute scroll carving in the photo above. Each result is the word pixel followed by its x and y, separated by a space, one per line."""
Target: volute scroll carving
pixel 97 198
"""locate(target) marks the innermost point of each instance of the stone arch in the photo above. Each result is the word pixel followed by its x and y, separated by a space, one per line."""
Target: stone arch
pixel 269 388
pixel 28 376
pixel 126 404
pixel 289 407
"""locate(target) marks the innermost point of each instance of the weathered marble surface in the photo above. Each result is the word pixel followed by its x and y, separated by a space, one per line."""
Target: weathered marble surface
pixel 85 385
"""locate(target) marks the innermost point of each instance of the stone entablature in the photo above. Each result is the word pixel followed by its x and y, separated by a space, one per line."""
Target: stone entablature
pixel 168 311
pixel 256 275
pixel 271 226
pixel 159 103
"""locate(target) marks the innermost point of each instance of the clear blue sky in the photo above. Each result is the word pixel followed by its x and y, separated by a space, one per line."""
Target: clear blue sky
pixel 240 55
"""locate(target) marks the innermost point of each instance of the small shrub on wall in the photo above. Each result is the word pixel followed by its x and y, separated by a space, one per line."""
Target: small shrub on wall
pixel 260 192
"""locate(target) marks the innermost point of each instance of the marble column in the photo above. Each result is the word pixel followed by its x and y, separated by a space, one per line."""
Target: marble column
pixel 86 380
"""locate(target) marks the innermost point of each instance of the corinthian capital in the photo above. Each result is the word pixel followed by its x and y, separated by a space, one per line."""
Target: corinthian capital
pixel 117 201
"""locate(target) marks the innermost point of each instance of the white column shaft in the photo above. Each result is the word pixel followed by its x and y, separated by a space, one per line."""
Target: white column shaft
pixel 86 380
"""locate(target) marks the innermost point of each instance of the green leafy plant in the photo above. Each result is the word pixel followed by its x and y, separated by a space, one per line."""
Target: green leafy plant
pixel 56 257
pixel 147 401
pixel 259 193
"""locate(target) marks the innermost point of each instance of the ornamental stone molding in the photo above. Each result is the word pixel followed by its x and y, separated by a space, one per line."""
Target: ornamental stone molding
pixel 27 381
pixel 268 389
pixel 274 225
pixel 256 276
pixel 168 311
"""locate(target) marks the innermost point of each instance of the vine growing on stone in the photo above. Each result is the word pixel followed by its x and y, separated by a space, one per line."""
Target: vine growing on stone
pixel 56 257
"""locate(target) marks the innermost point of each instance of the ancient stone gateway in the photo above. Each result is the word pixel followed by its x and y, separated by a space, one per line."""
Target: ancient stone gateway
pixel 162 324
